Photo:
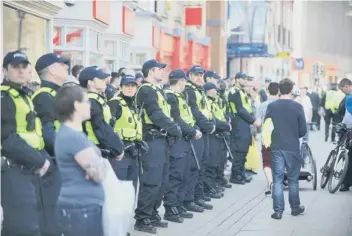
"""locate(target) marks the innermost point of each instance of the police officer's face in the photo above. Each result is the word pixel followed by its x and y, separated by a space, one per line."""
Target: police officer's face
pixel 212 92
pixel 197 78
pixel 158 74
pixel 99 84
pixel 182 83
pixel 242 82
pixel 19 74
pixel 129 90
pixel 214 81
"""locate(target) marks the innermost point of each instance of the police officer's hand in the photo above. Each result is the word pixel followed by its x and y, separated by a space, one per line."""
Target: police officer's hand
pixel 257 123
pixel 119 157
pixel 42 171
pixel 198 134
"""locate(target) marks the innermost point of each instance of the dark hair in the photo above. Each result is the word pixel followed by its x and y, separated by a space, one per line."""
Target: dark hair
pixel 114 76
pixel 345 82
pixel 286 86
pixel 273 88
pixel 64 101
pixel 75 70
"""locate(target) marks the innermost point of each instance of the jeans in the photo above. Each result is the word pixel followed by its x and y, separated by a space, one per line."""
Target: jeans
pixel 291 161
pixel 87 221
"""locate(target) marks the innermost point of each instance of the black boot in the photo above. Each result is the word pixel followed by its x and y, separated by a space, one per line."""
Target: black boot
pixel 145 226
pixel 172 214
pixel 344 188
pixel 191 206
pixel 237 179
pixel 157 222
pixel 184 213
pixel 206 198
pixel 212 193
pixel 203 204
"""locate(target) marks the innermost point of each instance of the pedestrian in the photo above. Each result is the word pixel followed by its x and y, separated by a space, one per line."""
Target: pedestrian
pixel 113 87
pixel 289 126
pixel 53 72
pixel 24 159
pixel 158 128
pixel 81 166
pixel 315 100
pixel 75 74
pixel 273 92
pixel 181 152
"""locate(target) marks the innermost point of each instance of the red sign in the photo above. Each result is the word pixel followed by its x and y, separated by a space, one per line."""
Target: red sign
pixel 101 11
pixel 128 20
pixel 74 35
pixel 193 16
pixel 57 36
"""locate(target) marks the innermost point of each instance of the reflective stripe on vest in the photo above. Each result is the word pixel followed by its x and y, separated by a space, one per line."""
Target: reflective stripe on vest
pixel 202 102
pixel 246 101
pixel 128 126
pixel 185 110
pixel 216 110
pixel 28 125
pixel 52 92
pixel 164 106
pixel 106 115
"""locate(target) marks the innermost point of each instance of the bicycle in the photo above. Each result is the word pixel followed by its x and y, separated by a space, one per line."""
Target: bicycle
pixel 336 157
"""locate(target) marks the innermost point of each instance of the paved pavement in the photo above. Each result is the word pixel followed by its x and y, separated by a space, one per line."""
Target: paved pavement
pixel 245 211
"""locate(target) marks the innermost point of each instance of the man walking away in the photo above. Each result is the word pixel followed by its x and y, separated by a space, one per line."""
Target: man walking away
pixel 289 122
pixel 315 100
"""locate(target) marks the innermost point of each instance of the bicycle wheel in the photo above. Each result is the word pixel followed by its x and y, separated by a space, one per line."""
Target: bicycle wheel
pixel 315 175
pixel 326 170
pixel 338 174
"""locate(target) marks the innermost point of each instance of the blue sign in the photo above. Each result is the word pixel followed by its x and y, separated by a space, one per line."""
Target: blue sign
pixel 299 64
pixel 236 50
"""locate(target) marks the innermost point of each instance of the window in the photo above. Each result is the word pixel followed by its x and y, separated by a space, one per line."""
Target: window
pixel 279 33
pixel 95 41
pixel 140 58
pixel 284 36
pixel 124 51
pixel 57 36
pixel 110 48
pixel 94 59
pixel 74 37
pixel 76 58
pixel 110 65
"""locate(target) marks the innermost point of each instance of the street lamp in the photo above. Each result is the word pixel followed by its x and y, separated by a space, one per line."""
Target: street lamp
pixel 20 15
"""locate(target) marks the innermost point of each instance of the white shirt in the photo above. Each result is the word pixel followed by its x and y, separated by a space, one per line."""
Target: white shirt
pixel 307 106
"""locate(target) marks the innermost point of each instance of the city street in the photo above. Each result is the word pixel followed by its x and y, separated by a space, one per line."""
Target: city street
pixel 245 210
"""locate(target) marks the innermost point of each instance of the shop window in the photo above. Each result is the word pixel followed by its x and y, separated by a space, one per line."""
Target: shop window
pixel 76 58
pixel 140 58
pixel 57 36
pixel 110 64
pixel 110 48
pixel 94 59
pixel 124 51
pixel 74 37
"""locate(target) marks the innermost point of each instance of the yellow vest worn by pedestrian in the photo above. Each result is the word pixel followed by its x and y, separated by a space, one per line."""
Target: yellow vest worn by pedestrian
pixel 164 106
pixel 185 110
pixel 216 110
pixel 202 102
pixel 129 125
pixel 52 92
pixel 333 99
pixel 106 115
pixel 245 99
pixel 28 125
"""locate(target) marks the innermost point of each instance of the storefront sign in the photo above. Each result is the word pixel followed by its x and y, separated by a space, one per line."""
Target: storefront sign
pixel 235 50
pixel 193 16
pixel 298 63
pixel 128 20
pixel 283 55
pixel 101 11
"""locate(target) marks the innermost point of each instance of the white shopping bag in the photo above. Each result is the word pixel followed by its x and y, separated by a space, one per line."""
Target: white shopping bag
pixel 119 204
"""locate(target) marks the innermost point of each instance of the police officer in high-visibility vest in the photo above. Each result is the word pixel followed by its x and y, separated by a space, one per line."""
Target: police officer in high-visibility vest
pixel 330 103
pixel 98 128
pixel 53 72
pixel 217 152
pixel 158 127
pixel 240 105
pixel 24 159
pixel 181 151
pixel 128 125
pixel 201 110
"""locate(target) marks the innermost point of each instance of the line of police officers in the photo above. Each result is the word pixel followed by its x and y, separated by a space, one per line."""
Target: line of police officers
pixel 164 136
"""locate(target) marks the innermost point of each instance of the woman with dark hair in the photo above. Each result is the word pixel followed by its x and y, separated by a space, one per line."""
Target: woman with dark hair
pixel 81 166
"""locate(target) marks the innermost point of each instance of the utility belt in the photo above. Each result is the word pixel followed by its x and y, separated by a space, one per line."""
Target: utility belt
pixel 8 163
pixel 222 135
pixel 153 134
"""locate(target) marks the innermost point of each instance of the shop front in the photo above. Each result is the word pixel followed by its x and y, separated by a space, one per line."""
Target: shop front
pixel 196 52
pixel 28 27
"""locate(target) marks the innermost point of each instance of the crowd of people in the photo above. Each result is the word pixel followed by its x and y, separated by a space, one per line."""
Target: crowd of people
pixel 171 135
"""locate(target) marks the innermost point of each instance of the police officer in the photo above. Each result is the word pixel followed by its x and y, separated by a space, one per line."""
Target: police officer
pixel 23 156
pixel 53 72
pixel 195 201
pixel 139 78
pixel 113 87
pixel 181 151
pixel 242 117
pixel 158 126
pixel 98 128
pixel 128 125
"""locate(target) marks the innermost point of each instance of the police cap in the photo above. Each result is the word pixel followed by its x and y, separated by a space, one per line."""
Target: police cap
pixel 15 58
pixel 128 79
pixel 196 69
pixel 49 59
pixel 209 86
pixel 241 75
pixel 177 74
pixel 148 65
pixel 89 73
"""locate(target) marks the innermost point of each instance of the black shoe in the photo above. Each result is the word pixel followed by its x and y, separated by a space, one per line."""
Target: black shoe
pixel 247 176
pixel 157 222
pixel 276 216
pixel 173 214
pixel 213 194
pixel 128 234
pixel 201 203
pixel 191 206
pixel 184 213
pixel 144 226
pixel 237 179
pixel 297 211
pixel 344 188
pixel 207 199
pixel 219 189
pixel 253 172
pixel 227 185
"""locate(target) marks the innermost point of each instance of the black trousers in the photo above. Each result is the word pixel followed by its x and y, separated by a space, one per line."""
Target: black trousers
pixel 330 118
pixel 348 178
pixel 316 118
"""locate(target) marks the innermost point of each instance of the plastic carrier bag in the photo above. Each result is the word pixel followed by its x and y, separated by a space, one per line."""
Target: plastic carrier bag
pixel 252 159
pixel 119 204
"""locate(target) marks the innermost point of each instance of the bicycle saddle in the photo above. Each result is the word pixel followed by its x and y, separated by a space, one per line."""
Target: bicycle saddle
pixel 340 128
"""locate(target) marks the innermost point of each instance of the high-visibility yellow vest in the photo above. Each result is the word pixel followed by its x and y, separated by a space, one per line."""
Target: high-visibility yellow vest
pixel 333 99
pixel 164 106
pixel 106 114
pixel 216 110
pixel 52 92
pixel 246 101
pixel 185 110
pixel 129 125
pixel 202 102
pixel 28 125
